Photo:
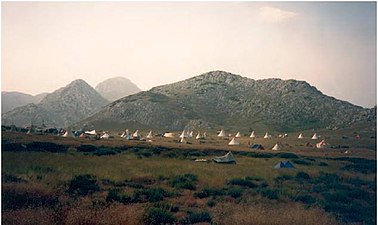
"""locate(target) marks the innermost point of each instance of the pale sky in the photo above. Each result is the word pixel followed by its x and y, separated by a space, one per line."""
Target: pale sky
pixel 332 46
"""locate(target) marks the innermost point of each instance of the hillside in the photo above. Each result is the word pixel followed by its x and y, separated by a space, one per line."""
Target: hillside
pixel 219 99
pixel 116 88
pixel 12 100
pixel 63 107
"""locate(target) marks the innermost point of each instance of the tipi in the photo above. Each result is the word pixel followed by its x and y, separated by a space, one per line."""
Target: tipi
pixel 322 144
pixel 300 136
pixel 238 134
pixel 149 135
pixel 183 140
pixel 234 142
pixel 276 147
pixel 222 134
pixel 169 135
pixel 191 134
pixel 266 135
pixel 68 133
pixel 136 134
pixel 184 134
pixel 198 136
pixel 314 137
pixel 105 136
pixel 252 134
pixel 228 158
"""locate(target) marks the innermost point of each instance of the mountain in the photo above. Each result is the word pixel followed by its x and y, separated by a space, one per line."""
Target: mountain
pixel 219 99
pixel 61 108
pixel 11 100
pixel 116 88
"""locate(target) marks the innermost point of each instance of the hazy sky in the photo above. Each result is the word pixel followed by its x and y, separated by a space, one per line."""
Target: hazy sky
pixel 332 46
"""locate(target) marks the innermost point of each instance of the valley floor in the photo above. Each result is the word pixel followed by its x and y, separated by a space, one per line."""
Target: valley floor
pixel 55 180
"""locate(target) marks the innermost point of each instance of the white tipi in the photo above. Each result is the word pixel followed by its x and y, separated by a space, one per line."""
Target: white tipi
pixel 234 142
pixel 204 135
pixel 266 135
pixel 149 135
pixel 105 136
pixel 315 136
pixel 198 136
pixel 252 134
pixel 136 134
pixel 184 134
pixel 222 134
pixel 68 133
pixel 276 147
pixel 183 140
pixel 191 134
pixel 238 134
pixel 300 136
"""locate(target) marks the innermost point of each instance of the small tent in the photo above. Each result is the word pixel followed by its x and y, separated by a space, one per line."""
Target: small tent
pixel 300 136
pixel 149 135
pixel 136 134
pixel 257 147
pixel 191 134
pixel 228 158
pixel 314 137
pixel 222 134
pixel 198 136
pixel 266 135
pixel 276 147
pixel 252 134
pixel 281 165
pixel 184 134
pixel 92 132
pixel 169 135
pixel 234 142
pixel 105 136
pixel 68 133
pixel 238 134
pixel 322 144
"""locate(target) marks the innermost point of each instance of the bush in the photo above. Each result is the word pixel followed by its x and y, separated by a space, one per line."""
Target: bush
pixel 157 216
pixel 301 162
pixel 151 195
pixel 322 164
pixel 270 193
pixel 235 192
pixel 303 175
pixel 198 217
pixel 9 178
pixel 186 181
pixel 243 182
pixel 83 185
pixel 282 178
pixel 207 192
pixel 211 203
pixel 307 199
pixel 287 155
pixel 86 148
pixel 115 196
pixel 104 151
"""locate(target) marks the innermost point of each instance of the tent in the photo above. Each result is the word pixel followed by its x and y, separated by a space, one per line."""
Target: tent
pixel 314 137
pixel 222 134
pixel 257 147
pixel 234 142
pixel 136 134
pixel 184 134
pixel 300 136
pixel 92 132
pixel 276 147
pixel 252 134
pixel 204 135
pixel 266 135
pixel 322 144
pixel 105 136
pixel 149 135
pixel 68 133
pixel 191 134
pixel 183 140
pixel 281 165
pixel 169 135
pixel 228 158
pixel 238 134
pixel 198 136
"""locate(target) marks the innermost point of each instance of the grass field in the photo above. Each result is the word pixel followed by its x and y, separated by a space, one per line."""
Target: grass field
pixel 55 180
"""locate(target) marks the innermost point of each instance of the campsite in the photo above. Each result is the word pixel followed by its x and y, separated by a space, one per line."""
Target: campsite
pixel 65 180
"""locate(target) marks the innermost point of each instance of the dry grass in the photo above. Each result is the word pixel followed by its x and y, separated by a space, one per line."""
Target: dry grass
pixel 273 214
pixel 29 216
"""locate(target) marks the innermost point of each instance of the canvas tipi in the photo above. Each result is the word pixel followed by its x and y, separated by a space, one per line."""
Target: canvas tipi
pixel 276 147
pixel 183 140
pixel 222 134
pixel 198 136
pixel 238 134
pixel 68 133
pixel 314 137
pixel 149 135
pixel 169 135
pixel 228 158
pixel 184 134
pixel 136 134
pixel 105 136
pixel 300 136
pixel 252 134
pixel 234 142
pixel 266 135
pixel 322 144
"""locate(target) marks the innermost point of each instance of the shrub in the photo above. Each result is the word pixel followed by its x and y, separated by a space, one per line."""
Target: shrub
pixel 151 195
pixel 83 185
pixel 9 178
pixel 235 192
pixel 198 217
pixel 301 162
pixel 282 178
pixel 362 168
pixel 322 164
pixel 211 203
pixel 46 147
pixel 86 148
pixel 302 175
pixel 157 216
pixel 307 199
pixel 104 151
pixel 287 155
pixel 186 181
pixel 207 192
pixel 243 182
pixel 270 193
pixel 115 196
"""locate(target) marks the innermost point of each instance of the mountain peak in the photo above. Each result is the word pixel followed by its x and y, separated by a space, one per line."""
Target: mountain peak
pixel 116 88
